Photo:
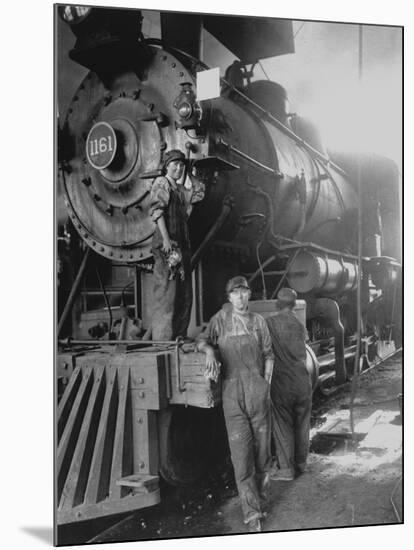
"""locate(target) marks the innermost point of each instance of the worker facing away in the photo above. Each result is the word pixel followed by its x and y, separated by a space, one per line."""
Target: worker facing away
pixel 291 389
pixel 243 342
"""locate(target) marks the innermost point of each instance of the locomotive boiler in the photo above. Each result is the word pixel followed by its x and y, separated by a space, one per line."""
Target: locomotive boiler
pixel 277 209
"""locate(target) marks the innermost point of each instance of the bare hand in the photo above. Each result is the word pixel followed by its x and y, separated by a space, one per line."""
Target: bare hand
pixel 166 246
pixel 212 369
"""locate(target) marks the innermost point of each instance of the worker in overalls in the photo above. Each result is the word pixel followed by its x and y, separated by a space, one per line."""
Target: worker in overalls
pixel 170 205
pixel 291 389
pixel 243 342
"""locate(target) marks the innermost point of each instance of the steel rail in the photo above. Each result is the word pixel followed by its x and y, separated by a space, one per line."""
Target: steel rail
pixel 326 376
pixel 70 342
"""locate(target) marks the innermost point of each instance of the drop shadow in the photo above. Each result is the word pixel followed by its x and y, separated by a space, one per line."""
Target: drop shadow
pixel 44 534
pixel 397 420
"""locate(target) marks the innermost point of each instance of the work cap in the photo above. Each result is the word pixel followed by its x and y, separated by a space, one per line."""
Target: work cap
pixel 286 297
pixel 236 282
pixel 174 154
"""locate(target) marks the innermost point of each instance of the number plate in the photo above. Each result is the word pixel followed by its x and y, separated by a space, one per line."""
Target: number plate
pixel 101 145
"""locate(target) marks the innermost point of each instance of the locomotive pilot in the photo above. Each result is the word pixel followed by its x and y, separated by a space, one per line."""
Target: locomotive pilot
pixel 291 389
pixel 171 204
pixel 245 349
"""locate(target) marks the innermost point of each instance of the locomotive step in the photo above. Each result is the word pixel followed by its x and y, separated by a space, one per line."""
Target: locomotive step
pixel 147 483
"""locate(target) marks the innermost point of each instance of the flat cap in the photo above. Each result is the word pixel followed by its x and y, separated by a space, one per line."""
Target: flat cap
pixel 174 154
pixel 236 282
pixel 286 297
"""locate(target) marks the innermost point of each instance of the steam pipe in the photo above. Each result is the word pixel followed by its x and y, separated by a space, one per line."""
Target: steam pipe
pixel 314 246
pixel 302 220
pixel 106 300
pixel 225 211
pixel 258 271
pixel 253 161
pixel 329 309
pixel 73 291
pixel 284 275
pixel 301 191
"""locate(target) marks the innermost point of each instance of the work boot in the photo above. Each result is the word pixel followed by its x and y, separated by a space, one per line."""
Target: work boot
pixel 301 468
pixel 281 474
pixel 254 525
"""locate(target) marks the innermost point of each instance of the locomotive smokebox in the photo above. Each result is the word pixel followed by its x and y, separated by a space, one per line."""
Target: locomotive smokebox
pixel 118 131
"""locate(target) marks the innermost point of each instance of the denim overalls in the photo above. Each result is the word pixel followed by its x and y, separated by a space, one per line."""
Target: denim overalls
pixel 246 406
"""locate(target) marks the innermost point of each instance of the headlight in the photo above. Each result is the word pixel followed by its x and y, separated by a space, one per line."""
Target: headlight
pixel 185 110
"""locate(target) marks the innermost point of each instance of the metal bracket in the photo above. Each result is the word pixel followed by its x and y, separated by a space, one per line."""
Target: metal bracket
pixel 178 343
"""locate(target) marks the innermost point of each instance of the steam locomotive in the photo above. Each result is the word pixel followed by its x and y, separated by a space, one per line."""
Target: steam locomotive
pixel 277 209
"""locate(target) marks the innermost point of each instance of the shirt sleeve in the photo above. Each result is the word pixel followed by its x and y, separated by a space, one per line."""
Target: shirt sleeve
pixel 267 349
pixel 159 198
pixel 211 333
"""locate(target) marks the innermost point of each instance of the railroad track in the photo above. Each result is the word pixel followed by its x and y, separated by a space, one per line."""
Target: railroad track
pixel 324 379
